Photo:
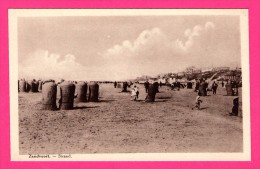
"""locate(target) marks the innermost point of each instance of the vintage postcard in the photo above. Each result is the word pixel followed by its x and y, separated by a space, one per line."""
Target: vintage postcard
pixel 129 85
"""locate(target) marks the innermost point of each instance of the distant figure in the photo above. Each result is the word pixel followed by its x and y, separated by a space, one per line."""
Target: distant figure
pixel 214 87
pixel 178 85
pixel 136 91
pixel 197 85
pixel 115 84
pixel 202 89
pixel 146 85
pixel 197 102
pixel 235 107
pixel 124 87
pixel 222 83
pixel 160 84
pixel 206 85
pixel 189 85
pixel 229 89
pixel 235 88
pixel 172 86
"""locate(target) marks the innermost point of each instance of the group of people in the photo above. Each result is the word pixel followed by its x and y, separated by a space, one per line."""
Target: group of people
pixel 134 89
pixel 234 87
pixel 176 85
pixel 202 87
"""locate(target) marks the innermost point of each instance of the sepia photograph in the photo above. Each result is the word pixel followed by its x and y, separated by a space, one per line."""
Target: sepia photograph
pixel 129 84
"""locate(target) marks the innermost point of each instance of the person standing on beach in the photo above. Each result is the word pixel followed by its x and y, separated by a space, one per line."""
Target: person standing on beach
pixel 178 85
pixel 205 88
pixel 214 87
pixel 136 91
pixel 160 84
pixel 146 85
pixel 197 85
pixel 115 84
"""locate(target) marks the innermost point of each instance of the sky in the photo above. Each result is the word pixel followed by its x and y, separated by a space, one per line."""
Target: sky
pixel 124 47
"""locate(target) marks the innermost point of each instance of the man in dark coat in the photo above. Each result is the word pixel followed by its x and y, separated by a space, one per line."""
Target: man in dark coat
pixel 146 85
pixel 156 84
pixel 124 87
pixel 178 85
pixel 197 85
pixel 115 84
pixel 214 87
pixel 205 88
pixel 201 88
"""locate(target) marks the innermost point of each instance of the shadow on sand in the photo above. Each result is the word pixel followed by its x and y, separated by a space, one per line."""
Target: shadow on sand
pixel 84 107
pixel 164 97
pixel 203 108
pixel 106 101
pixel 161 100
pixel 230 95
pixel 137 100
pixel 156 101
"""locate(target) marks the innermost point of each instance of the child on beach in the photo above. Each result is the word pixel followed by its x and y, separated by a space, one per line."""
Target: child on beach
pixel 197 102
pixel 134 93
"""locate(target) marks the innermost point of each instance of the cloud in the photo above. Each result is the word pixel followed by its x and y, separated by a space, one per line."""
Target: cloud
pixel 192 34
pixel 130 59
pixel 155 39
pixel 152 52
pixel 44 65
pixel 146 40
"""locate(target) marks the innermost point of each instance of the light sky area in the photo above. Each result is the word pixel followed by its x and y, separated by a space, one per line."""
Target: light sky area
pixel 124 47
